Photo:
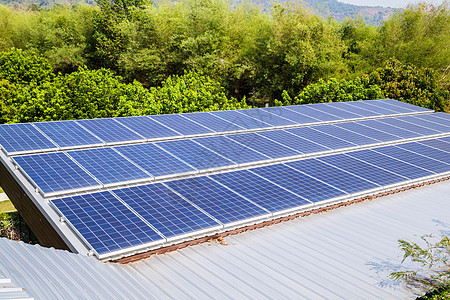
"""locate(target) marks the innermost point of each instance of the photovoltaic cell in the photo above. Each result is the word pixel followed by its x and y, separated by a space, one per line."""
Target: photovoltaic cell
pixel 212 122
pixel 418 120
pixel 240 119
pixel 105 222
pixel 314 113
pixel 264 145
pixel 230 149
pixel 414 159
pixel 147 127
pixel 344 181
pixel 363 170
pixel 295 117
pixel 445 139
pixel 353 107
pixel 346 135
pixel 194 154
pixel 388 163
pixel 68 133
pixel 427 151
pixel 369 132
pixel 260 191
pixel 107 165
pixel 439 118
pixel 372 106
pixel 23 137
pixel 293 141
pixel 332 109
pixel 408 126
pixel 154 160
pixel 378 125
pixel 321 138
pixel 110 130
pixel 54 172
pixel 165 210
pixel 399 104
pixel 297 182
pixel 438 144
pixel 223 204
pixel 181 124
pixel 266 117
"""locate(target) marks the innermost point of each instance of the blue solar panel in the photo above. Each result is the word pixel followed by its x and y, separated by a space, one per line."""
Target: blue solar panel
pixel 264 145
pixel 181 124
pixel 408 126
pixel 23 137
pixel 147 127
pixel 354 108
pixel 223 204
pixel 165 210
pixel 54 172
pixel 344 181
pixel 374 107
pixel 314 113
pixel 154 160
pixel 394 165
pixel 445 139
pixel 296 117
pixel 418 120
pixel 427 151
pixel 107 165
pixel 266 117
pixel 260 191
pixel 68 133
pixel 378 125
pixel 438 144
pixel 398 105
pixel 105 222
pixel 321 138
pixel 332 109
pixel 240 119
pixel 346 135
pixel 369 132
pixel 414 159
pixel 363 170
pixel 212 122
pixel 231 150
pixel 293 141
pixel 299 183
pixel 195 155
pixel 109 130
pixel 440 118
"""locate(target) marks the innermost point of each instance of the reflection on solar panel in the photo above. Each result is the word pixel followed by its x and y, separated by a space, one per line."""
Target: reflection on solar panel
pixel 298 183
pixel 414 159
pixel 321 138
pixel 293 141
pixel 154 160
pixel 53 172
pixel 182 124
pixel 110 131
pixel 68 133
pixel 223 204
pixel 266 117
pixel 344 181
pixel 366 171
pixel 263 145
pixel 260 191
pixel 417 120
pixel 164 210
pixel 215 123
pixel 335 111
pixel 427 151
pixel 148 128
pixel 376 124
pixel 369 132
pixel 240 119
pixel 314 113
pixel 231 150
pixel 286 113
pixel 23 137
pixel 346 135
pixel 195 155
pixel 105 222
pixel 388 163
pixel 408 126
pixel 107 165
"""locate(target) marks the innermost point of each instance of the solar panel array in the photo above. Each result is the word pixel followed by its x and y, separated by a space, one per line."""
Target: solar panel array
pixel 161 179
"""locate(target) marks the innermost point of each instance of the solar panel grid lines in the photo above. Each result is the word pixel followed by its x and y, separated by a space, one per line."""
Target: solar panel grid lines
pixel 49 138
pixel 442 116
pixel 349 105
pixel 418 120
pixel 261 191
pixel 186 127
pixel 436 118
pixel 346 135
pixel 408 126
pixel 439 144
pixel 241 120
pixel 335 111
pixel 317 114
pixel 55 172
pixel 392 129
pixel 148 128
pixel 427 151
pixel 400 104
pixel 213 122
pixel 376 107
pixel 298 118
pixel 110 131
pixel 321 138
pixel 105 223
pixel 155 160
pixel 23 138
pixel 267 117
pixel 379 135
pixel 131 161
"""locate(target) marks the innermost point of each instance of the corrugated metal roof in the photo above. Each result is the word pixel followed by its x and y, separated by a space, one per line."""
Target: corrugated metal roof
pixel 344 253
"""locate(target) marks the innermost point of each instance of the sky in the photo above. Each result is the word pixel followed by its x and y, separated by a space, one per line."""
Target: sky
pixel 387 3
